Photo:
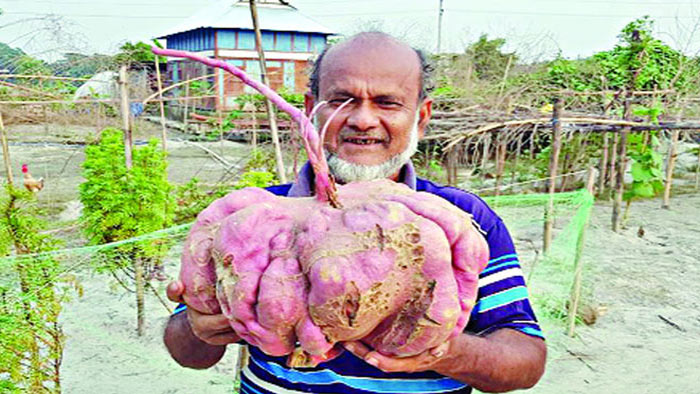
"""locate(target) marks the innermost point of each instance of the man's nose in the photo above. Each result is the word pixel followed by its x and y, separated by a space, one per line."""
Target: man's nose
pixel 362 118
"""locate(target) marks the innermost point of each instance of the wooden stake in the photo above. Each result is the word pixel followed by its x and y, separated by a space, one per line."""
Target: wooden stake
pixel 281 173
pixel 186 113
pixel 603 167
pixel 140 296
pixel 518 149
pixel 500 165
pixel 697 173
pixel 126 116
pixel 6 153
pixel 621 168
pixel 578 265
pixel 670 164
pixel 254 140
pixel 164 136
pixel 485 155
pixel 612 173
pixel 553 165
pixel 452 167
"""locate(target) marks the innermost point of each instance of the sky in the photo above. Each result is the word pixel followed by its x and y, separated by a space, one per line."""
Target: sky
pixel 536 29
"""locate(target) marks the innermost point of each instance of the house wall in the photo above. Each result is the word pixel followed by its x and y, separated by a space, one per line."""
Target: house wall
pixel 287 55
pixel 193 40
pixel 279 41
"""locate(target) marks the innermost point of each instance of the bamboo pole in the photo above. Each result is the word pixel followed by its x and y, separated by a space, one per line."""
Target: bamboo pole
pixel 500 164
pixel 281 175
pixel 622 167
pixel 126 116
pixel 578 265
pixel 603 167
pixel 532 142
pixel 553 165
pixel 29 90
pixel 128 146
pixel 254 137
pixel 518 150
pixel 505 76
pixel 140 296
pixel 485 155
pixel 612 172
pixel 185 114
pixel 48 102
pixel 164 131
pixel 154 95
pixel 697 173
pixel 6 153
pixel 670 165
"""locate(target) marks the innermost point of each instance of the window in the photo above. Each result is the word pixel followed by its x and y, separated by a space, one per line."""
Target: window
pixel 268 40
pixel 246 39
pixel 284 42
pixel 318 42
pixel 301 42
pixel 289 75
pixel 227 39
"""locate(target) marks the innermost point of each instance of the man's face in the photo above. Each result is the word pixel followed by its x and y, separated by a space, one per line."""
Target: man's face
pixel 383 82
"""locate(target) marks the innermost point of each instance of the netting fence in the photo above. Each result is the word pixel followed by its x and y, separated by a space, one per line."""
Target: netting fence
pixel 32 338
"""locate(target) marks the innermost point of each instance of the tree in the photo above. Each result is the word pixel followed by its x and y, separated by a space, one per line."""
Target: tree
pixel 488 58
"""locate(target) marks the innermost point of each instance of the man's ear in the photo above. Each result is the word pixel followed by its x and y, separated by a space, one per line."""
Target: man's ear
pixel 309 102
pixel 425 111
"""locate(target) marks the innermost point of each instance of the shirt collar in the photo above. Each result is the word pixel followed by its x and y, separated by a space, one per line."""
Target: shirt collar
pixel 304 184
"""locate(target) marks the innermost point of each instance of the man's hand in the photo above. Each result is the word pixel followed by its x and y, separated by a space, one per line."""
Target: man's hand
pixel 425 361
pixel 211 329
pixel 504 360
pixel 194 339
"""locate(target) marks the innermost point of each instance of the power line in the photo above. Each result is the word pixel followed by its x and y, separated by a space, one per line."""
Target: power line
pixel 97 15
pixel 563 14
pixel 374 13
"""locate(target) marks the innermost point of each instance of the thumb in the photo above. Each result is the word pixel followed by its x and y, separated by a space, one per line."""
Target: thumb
pixel 175 290
pixel 440 350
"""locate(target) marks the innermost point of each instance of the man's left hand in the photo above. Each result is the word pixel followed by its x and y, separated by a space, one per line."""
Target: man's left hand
pixel 425 361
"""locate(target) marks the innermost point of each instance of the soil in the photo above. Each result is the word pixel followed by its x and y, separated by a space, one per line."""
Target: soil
pixel 646 340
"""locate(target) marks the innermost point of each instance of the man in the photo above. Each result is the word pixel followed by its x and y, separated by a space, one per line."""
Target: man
pixel 374 136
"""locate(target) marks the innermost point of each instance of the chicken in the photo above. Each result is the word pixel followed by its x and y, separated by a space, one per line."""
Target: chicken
pixel 33 185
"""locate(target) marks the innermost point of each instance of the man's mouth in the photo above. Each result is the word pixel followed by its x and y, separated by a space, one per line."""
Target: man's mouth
pixel 363 140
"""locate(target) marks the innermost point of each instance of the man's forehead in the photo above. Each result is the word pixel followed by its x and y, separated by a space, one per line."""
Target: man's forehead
pixel 380 59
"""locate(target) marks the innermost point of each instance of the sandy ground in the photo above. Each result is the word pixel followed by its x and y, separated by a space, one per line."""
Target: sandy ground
pixel 646 342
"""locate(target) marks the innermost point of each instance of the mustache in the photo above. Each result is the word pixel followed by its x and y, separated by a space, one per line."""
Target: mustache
pixel 377 135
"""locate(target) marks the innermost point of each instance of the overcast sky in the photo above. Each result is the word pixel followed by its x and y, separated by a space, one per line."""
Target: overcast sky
pixel 535 28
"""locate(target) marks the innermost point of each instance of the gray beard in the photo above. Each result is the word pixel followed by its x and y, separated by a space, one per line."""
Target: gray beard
pixel 346 172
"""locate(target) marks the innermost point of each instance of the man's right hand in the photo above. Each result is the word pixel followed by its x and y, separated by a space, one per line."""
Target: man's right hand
pixel 212 329
pixel 194 339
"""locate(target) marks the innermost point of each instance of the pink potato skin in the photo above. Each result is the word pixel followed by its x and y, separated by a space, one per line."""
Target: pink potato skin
pixel 395 268
pixel 197 271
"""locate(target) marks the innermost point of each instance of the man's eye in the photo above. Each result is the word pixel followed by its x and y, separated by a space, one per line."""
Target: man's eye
pixel 388 103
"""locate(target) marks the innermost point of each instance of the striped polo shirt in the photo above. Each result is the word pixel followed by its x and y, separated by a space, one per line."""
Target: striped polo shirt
pixel 502 302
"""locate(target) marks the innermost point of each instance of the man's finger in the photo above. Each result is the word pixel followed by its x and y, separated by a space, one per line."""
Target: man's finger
pixel 440 350
pixel 222 339
pixel 387 364
pixel 175 290
pixel 357 348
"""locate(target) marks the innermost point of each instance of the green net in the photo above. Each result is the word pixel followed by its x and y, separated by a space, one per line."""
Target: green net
pixel 549 275
pixel 101 324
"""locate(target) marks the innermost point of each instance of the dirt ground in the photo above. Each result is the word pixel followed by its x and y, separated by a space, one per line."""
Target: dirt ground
pixel 647 340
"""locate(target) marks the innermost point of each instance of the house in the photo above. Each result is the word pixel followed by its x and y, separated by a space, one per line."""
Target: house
pixel 224 30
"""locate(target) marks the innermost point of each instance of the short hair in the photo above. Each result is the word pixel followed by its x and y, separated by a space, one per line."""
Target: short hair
pixel 426 72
